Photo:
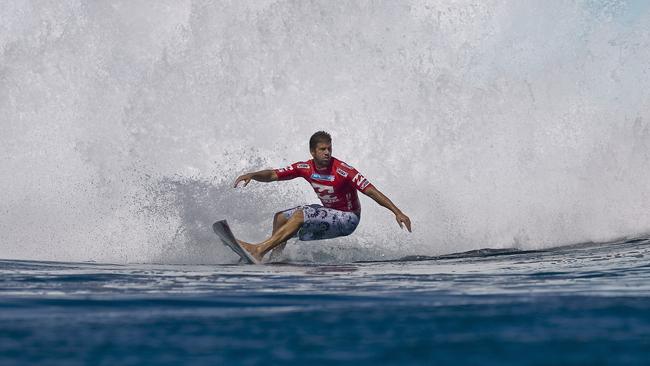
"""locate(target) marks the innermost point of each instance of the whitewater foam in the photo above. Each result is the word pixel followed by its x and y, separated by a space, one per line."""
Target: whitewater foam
pixel 490 124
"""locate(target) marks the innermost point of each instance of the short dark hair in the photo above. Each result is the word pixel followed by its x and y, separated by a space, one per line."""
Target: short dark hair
pixel 320 136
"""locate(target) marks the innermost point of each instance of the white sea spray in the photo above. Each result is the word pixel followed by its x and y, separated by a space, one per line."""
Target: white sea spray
pixel 490 123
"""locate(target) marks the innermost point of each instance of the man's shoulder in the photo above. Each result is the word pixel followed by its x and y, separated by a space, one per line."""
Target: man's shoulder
pixel 342 168
pixel 341 164
pixel 303 165
pixel 298 166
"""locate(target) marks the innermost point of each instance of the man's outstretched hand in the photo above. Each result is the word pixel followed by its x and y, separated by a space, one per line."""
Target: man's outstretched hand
pixel 246 178
pixel 403 219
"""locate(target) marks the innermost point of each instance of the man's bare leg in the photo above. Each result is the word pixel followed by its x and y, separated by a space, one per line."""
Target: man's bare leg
pixel 278 221
pixel 284 232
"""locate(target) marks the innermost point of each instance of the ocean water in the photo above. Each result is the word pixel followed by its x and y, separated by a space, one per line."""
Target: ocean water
pixel 586 304
pixel 510 131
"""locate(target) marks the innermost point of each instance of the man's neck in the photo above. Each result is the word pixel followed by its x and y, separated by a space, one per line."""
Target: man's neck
pixel 322 167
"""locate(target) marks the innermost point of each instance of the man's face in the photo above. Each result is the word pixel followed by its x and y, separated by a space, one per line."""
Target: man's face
pixel 322 153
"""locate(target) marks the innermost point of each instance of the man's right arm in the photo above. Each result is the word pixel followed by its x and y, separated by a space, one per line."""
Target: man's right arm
pixel 268 175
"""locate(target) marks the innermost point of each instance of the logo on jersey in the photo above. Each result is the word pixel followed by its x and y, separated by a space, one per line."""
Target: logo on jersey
pixel 325 193
pixel 303 166
pixel 360 181
pixel 316 176
pixel 286 169
pixel 342 172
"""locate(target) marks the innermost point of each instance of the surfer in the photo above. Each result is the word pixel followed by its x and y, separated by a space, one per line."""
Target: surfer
pixel 336 185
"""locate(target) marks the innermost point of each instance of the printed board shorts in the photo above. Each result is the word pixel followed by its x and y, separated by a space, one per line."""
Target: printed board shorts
pixel 324 223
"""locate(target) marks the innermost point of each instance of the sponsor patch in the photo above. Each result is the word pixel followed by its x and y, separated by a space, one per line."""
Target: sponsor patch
pixel 316 176
pixel 364 185
pixel 286 169
pixel 342 172
pixel 303 166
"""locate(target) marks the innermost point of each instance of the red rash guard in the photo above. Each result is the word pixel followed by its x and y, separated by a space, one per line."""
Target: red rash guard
pixel 336 186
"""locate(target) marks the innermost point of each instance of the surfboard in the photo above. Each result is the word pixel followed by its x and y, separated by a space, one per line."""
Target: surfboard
pixel 224 233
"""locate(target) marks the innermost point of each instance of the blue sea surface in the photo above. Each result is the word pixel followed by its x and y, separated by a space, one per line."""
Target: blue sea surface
pixel 578 305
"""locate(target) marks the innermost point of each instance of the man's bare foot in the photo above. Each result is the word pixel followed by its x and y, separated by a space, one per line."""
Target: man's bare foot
pixel 252 249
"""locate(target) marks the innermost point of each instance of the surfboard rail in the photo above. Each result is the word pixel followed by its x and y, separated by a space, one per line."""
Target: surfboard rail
pixel 222 229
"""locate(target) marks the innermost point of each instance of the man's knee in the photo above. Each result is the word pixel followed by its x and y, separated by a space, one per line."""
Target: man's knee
pixel 298 215
pixel 278 217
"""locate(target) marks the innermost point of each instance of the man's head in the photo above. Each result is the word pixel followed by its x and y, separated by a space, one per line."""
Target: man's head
pixel 320 146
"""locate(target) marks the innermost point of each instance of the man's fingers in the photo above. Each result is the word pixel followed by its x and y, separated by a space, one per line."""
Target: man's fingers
pixel 406 221
pixel 240 179
pixel 408 225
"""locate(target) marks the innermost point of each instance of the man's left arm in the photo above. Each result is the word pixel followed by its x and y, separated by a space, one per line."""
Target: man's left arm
pixel 381 199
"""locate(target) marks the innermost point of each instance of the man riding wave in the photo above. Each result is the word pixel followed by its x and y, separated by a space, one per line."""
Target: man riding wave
pixel 336 185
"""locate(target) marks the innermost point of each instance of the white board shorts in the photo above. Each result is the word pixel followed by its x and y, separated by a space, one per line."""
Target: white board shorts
pixel 324 223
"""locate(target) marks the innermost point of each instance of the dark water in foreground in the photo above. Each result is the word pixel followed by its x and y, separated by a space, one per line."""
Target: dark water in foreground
pixel 580 305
